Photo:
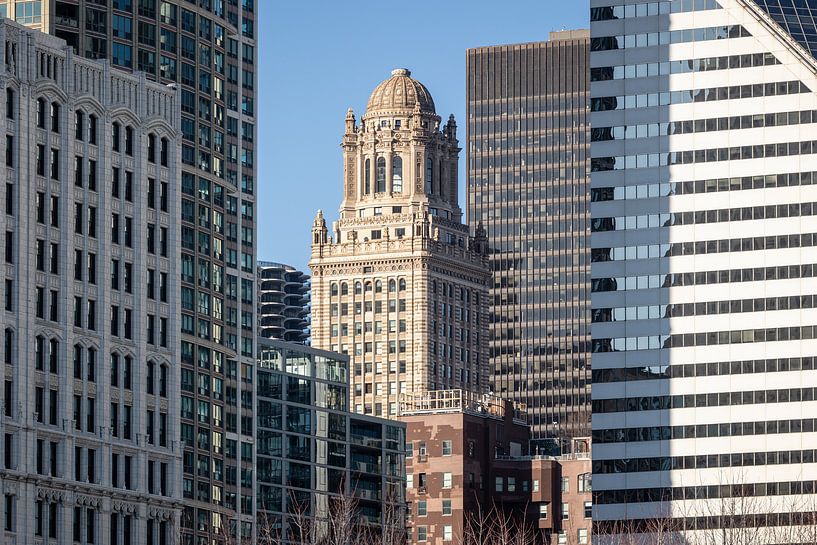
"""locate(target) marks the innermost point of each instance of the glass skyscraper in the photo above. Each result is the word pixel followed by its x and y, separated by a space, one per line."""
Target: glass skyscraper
pixel 704 167
pixel 528 181
pixel 207 49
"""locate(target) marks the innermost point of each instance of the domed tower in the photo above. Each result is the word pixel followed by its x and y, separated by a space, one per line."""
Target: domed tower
pixel 399 285
pixel 398 156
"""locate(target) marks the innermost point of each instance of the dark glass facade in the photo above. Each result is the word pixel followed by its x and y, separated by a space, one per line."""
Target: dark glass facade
pixel 312 451
pixel 528 186
pixel 797 17
pixel 207 49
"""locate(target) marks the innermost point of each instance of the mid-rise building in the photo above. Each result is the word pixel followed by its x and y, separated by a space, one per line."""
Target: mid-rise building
pixel 283 302
pixel 467 461
pixel 314 455
pixel 91 301
pixel 704 167
pixel 206 49
pixel 400 286
pixel 528 186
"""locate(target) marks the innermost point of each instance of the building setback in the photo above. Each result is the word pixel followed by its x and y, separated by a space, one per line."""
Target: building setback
pixel 467 458
pixel 91 299
pixel 703 172
pixel 208 50
pixel 313 454
pixel 283 302
pixel 400 286
pixel 528 186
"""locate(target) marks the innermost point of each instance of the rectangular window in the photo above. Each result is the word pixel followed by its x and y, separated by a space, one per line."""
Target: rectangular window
pixel 447 447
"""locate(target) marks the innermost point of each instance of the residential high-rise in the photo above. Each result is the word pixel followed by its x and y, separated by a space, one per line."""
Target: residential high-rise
pixel 314 455
pixel 703 335
pixel 283 302
pixel 91 299
pixel 401 287
pixel 207 49
pixel 528 185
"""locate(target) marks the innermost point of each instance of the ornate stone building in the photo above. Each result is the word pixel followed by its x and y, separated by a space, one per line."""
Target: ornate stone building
pixel 401 287
pixel 89 411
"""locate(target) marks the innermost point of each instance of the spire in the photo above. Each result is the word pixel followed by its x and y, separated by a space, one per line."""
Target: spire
pixel 319 231
pixel 351 126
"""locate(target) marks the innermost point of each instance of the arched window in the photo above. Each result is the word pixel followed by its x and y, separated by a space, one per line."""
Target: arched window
pixel 380 182
pixel 402 284
pixel 358 288
pixel 79 125
pixel 392 286
pixel 150 379
pixel 40 113
pixel 368 287
pixel 55 117
pixel 92 129
pixel 344 288
pixel 39 353
pixel 367 177
pixel 378 286
pixel 429 176
pixel 115 136
pixel 333 289
pixel 397 174
pixel 78 361
pixel 53 355
pixel 127 373
pixel 91 365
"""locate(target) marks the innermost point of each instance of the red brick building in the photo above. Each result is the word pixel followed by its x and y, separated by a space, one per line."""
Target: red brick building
pixel 467 453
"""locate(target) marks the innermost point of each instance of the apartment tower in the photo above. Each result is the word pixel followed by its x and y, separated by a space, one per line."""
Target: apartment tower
pixel 528 186
pixel 207 49
pixel 91 299
pixel 703 329
pixel 283 302
pixel 400 286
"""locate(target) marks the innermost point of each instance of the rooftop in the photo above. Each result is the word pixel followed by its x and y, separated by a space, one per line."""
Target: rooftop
pixel 459 401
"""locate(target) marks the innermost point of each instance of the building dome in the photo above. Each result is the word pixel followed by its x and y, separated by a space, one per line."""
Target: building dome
pixel 399 94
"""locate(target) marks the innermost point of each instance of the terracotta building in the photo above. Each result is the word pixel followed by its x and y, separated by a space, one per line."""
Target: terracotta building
pixel 467 454
pixel 400 285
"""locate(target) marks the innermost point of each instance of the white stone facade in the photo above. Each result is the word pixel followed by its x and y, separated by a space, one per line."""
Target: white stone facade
pixel 90 422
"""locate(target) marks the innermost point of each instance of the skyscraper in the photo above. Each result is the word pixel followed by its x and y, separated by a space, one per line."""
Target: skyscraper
pixel 90 303
pixel 703 172
pixel 401 287
pixel 528 185
pixel 207 49
pixel 283 302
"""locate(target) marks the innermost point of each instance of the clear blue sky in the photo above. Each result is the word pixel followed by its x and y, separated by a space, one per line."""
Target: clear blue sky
pixel 318 58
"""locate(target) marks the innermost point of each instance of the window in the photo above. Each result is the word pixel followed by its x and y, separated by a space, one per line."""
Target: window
pixel 422 533
pixel 380 179
pixel 397 174
pixel 367 177
pixel 565 511
pixel 585 480
pixel 499 484
pixel 582 536
pixel 448 533
pixel 511 484
pixel 543 510
pixel 429 175
pixel 565 484
pixel 55 117
pixel 422 508
pixel 561 538
pixel 447 447
pixel 536 485
pixel 588 509
pixel 446 507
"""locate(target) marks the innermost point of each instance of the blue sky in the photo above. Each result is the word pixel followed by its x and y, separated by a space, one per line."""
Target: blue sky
pixel 319 58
